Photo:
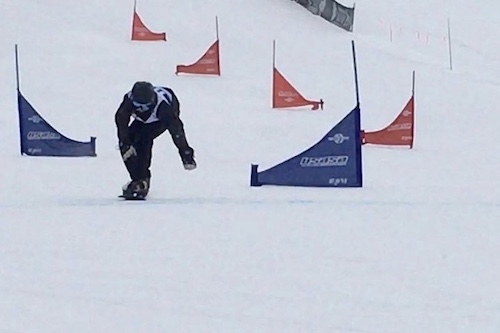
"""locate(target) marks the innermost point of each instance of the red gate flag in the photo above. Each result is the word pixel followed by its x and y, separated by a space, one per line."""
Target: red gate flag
pixel 286 96
pixel 399 133
pixel 141 33
pixel 208 64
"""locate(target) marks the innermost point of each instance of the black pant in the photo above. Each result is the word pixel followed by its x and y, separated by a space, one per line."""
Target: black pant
pixel 142 135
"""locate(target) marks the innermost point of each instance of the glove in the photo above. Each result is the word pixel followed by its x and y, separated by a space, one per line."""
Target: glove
pixel 188 161
pixel 190 166
pixel 127 151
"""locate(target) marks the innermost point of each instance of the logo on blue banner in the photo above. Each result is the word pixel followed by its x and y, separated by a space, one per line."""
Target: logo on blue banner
pixel 335 161
pixel 38 138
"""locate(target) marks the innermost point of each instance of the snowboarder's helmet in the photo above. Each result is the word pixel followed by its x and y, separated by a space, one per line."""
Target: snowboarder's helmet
pixel 142 94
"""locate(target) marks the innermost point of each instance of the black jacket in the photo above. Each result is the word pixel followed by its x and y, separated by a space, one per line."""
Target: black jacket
pixel 166 115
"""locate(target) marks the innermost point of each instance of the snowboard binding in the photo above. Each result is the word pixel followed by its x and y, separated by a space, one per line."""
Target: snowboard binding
pixel 135 190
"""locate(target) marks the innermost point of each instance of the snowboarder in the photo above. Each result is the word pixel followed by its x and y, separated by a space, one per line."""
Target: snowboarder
pixel 154 109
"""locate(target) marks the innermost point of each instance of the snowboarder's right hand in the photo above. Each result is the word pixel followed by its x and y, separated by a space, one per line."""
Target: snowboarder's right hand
pixel 127 151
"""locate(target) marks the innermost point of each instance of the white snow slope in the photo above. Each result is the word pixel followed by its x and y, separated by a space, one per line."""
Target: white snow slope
pixel 415 250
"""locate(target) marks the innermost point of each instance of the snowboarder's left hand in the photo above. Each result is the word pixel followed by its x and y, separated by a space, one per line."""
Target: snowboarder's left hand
pixel 190 166
pixel 188 159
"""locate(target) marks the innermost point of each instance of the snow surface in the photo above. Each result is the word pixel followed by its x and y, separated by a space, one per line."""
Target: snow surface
pixel 415 250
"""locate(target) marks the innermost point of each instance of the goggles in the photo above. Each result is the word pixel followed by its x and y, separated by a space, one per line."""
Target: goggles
pixel 142 106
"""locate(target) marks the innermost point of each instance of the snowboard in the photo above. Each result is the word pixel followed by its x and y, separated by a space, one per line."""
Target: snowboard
pixel 133 198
